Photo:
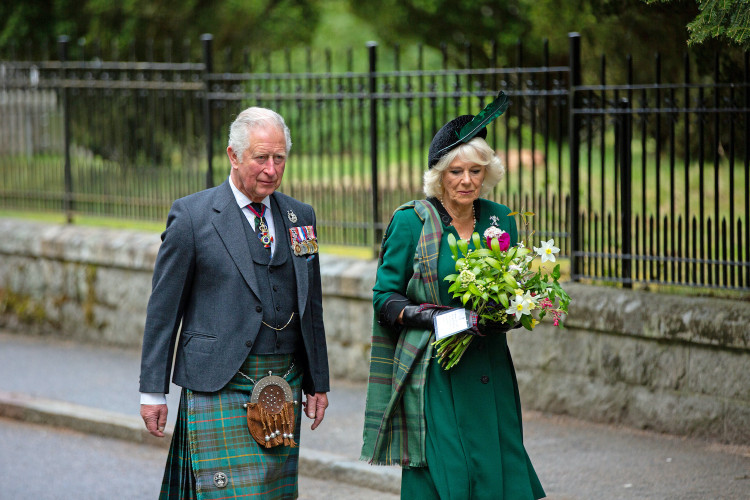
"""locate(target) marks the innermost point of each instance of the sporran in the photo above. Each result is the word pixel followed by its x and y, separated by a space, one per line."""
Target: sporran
pixel 270 412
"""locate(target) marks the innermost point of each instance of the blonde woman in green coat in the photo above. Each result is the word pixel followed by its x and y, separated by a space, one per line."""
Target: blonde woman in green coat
pixel 457 433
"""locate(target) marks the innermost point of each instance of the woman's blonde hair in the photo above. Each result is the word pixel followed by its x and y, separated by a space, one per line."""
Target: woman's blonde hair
pixel 476 151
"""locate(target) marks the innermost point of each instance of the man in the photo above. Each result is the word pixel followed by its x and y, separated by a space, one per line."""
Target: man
pixel 238 269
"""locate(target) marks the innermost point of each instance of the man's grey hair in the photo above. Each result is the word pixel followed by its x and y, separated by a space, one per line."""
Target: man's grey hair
pixel 476 151
pixel 250 118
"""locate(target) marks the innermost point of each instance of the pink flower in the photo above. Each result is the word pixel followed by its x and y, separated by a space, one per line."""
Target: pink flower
pixel 503 238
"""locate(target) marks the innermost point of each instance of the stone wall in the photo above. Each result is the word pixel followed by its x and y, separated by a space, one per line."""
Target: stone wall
pixel 663 362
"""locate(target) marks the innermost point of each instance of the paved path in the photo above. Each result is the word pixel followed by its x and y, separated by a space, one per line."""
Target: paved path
pixel 95 390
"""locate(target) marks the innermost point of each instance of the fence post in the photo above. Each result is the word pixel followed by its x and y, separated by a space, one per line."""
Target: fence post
pixel 377 231
pixel 62 52
pixel 624 134
pixel 208 68
pixel 574 121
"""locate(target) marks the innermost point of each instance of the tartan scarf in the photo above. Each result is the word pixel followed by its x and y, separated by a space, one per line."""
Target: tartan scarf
pixel 394 429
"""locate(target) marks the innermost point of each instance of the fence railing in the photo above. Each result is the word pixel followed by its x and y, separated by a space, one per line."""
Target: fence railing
pixel 664 181
pixel 659 170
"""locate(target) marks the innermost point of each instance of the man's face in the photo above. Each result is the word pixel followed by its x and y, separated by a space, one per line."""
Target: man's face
pixel 258 173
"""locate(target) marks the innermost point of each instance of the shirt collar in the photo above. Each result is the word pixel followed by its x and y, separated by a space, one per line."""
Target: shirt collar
pixel 243 200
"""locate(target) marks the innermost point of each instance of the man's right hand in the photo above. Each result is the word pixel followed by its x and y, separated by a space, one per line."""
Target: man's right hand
pixel 155 418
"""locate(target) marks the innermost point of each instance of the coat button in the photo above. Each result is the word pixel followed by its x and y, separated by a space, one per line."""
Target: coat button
pixel 278 308
pixel 258 309
pixel 485 379
pixel 249 343
pixel 275 288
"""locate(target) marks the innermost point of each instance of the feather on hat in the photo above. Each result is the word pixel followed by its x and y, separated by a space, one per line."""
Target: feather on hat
pixel 464 128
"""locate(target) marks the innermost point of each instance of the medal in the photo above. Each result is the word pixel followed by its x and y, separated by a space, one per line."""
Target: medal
pixel 292 216
pixel 303 240
pixel 262 229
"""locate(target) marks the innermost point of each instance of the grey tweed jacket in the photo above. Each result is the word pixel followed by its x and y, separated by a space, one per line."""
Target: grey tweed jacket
pixel 204 280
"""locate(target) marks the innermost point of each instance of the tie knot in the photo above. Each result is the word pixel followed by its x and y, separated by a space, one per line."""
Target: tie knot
pixel 259 208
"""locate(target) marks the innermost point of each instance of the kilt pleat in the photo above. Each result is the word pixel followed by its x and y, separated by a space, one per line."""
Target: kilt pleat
pixel 178 482
pixel 213 456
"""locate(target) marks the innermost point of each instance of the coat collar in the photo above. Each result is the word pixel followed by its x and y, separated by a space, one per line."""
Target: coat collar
pixel 445 218
pixel 227 221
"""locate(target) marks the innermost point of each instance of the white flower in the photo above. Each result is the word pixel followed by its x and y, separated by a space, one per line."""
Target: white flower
pixel 493 232
pixel 514 268
pixel 519 306
pixel 547 251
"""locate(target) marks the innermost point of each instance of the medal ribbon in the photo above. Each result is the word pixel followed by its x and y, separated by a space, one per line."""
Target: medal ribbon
pixel 261 227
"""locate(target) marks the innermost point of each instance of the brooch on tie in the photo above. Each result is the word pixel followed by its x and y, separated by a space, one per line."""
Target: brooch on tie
pixel 304 241
pixel 292 216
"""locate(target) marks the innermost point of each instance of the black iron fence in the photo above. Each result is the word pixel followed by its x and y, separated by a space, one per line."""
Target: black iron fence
pixel 662 172
pixel 125 139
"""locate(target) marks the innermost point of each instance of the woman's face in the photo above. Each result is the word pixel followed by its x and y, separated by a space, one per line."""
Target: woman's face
pixel 462 181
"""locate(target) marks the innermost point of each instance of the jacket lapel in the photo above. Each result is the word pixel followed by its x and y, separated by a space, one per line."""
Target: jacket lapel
pixel 228 221
pixel 300 263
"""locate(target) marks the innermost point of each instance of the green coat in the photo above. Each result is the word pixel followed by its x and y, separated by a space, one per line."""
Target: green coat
pixel 473 442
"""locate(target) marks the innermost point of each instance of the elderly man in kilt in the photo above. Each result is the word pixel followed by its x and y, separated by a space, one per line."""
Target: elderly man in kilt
pixel 238 277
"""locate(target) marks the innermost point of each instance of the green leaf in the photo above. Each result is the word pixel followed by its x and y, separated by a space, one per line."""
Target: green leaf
pixel 494 263
pixel 463 245
pixel 504 301
pixel 510 279
pixel 452 245
pixel 475 239
pixel 526 321
pixel 465 298
pixel 556 272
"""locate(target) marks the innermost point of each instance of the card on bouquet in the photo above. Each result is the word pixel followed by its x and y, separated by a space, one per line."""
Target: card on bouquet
pixel 451 322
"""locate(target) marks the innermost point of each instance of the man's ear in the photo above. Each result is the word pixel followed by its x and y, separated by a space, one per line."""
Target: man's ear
pixel 232 156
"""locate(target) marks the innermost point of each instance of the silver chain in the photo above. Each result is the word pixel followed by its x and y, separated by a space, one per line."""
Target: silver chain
pixel 291 367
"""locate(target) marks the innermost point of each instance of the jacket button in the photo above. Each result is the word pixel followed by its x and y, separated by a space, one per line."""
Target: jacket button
pixel 485 379
pixel 249 343
pixel 275 288
pixel 258 309
pixel 278 308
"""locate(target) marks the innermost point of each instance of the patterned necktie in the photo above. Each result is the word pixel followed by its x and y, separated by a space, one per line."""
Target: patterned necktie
pixel 261 227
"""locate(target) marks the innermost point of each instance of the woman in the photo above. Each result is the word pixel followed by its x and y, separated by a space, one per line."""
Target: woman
pixel 456 433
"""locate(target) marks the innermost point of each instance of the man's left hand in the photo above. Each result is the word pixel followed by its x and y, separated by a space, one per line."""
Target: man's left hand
pixel 315 407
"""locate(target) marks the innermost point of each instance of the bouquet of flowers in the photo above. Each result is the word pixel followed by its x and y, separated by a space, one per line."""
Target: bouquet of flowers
pixel 497 282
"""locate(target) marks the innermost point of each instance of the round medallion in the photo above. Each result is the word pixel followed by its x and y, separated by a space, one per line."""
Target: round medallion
pixel 220 480
pixel 271 392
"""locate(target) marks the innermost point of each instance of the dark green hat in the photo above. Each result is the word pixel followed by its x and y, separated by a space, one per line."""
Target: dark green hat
pixel 464 128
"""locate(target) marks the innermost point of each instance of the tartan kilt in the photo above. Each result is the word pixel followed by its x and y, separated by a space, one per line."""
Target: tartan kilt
pixel 211 438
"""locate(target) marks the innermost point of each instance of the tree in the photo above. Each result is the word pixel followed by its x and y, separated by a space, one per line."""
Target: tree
pixel 449 24
pixel 727 20
pixel 236 25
